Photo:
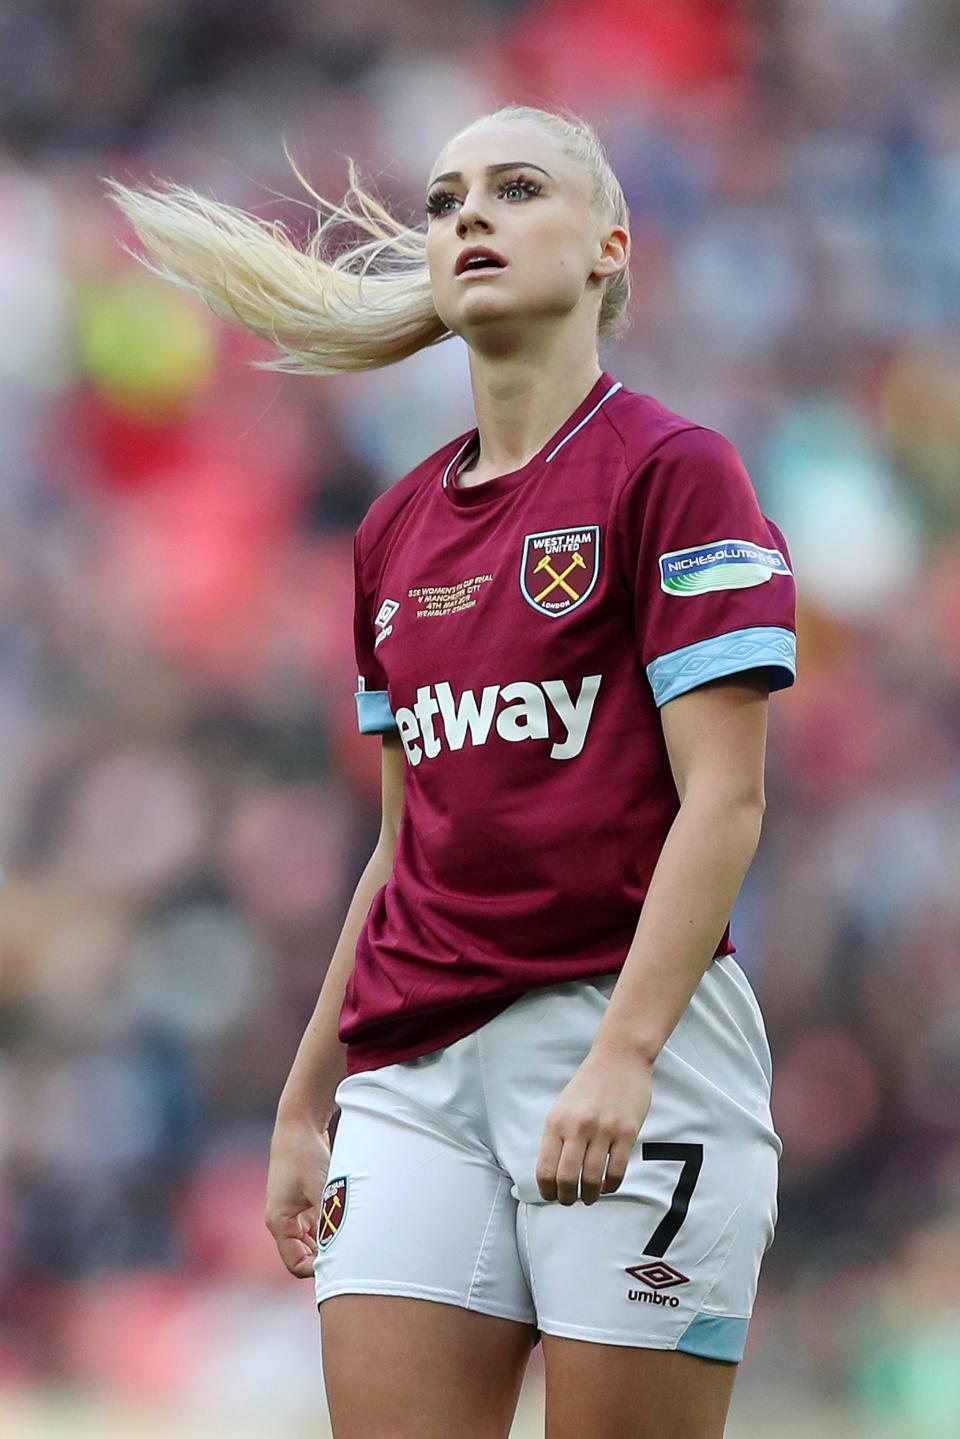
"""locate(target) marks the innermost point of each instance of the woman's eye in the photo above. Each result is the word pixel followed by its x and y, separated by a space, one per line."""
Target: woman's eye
pixel 528 187
pixel 436 201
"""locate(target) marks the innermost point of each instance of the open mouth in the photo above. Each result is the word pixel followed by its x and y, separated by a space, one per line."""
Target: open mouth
pixel 479 261
pixel 489 267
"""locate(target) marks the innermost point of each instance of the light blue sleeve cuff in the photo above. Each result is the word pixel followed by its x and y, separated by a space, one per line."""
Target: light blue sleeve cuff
pixel 374 715
pixel 762 646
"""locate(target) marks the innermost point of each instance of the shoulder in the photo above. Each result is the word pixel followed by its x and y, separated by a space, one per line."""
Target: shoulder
pixel 652 433
pixel 388 508
pixel 646 427
pixel 674 459
pixel 688 479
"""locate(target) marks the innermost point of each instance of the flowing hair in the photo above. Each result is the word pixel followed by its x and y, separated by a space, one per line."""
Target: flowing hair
pixel 368 306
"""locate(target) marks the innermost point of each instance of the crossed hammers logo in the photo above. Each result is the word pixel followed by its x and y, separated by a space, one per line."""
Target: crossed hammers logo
pixel 330 1207
pixel 577 562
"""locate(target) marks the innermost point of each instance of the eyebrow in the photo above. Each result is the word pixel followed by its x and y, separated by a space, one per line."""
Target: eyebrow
pixel 492 170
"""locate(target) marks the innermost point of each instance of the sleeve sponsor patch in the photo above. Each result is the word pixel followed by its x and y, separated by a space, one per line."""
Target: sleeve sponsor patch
pixel 722 565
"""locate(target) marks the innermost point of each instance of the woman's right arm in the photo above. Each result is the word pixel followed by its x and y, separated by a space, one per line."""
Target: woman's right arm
pixel 300 1148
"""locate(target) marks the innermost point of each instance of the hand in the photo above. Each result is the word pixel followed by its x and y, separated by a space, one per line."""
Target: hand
pixel 299 1161
pixel 595 1122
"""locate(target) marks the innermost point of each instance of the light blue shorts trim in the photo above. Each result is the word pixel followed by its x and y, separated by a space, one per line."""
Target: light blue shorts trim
pixel 714 1336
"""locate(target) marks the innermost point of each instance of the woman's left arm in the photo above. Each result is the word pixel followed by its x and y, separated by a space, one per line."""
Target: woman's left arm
pixel 716 741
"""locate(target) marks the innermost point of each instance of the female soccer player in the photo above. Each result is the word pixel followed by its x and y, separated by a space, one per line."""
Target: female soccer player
pixel 553 1078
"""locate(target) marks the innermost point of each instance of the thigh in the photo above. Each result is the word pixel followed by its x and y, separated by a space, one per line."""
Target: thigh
pixel 415 1205
pixel 611 1392
pixel 400 1368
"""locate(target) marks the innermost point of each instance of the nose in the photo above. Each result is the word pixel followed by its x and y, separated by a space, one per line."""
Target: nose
pixel 469 216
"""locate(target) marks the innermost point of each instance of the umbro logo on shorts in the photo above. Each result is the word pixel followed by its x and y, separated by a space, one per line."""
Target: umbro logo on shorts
pixel 659 1275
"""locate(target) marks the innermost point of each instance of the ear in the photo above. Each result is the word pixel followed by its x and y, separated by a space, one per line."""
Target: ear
pixel 614 253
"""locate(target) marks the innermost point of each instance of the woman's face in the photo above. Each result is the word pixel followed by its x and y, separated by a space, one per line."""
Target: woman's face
pixel 514 191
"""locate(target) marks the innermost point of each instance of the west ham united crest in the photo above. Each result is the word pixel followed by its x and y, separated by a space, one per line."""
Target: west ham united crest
pixel 559 568
pixel 333 1209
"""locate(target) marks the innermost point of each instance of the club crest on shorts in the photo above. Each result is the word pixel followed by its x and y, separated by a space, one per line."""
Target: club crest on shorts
pixel 333 1209
pixel 559 568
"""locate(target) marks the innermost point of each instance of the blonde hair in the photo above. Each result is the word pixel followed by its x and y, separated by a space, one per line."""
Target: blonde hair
pixel 368 306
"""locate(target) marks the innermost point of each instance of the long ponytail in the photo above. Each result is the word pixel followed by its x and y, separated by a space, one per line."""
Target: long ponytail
pixel 368 306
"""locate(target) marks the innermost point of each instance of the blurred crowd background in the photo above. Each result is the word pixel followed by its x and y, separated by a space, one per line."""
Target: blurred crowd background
pixel 186 803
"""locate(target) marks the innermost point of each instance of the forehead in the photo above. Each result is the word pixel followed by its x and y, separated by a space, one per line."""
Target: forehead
pixel 500 142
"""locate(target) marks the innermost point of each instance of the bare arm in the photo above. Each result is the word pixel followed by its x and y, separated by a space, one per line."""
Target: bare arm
pixel 300 1146
pixel 716 739
pixel 320 1064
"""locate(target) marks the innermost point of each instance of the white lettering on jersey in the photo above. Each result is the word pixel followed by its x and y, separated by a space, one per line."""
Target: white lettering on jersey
pixel 576 717
pixel 528 718
pixel 523 717
pixel 467 713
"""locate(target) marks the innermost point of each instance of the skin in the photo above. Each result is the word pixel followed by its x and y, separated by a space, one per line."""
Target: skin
pixel 716 743
pixel 439 1369
pixel 531 329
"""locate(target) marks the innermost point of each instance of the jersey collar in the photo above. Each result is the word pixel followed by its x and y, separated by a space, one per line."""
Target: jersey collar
pixel 467 496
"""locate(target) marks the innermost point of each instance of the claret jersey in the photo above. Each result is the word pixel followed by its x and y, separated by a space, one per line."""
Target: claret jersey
pixel 522 636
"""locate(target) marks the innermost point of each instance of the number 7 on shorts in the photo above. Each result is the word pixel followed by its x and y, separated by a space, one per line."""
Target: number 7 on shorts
pixel 691 1156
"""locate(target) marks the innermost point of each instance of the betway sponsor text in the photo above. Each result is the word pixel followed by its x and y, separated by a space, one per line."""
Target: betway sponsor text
pixel 511 712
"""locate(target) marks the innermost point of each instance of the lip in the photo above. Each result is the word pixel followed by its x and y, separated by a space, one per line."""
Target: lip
pixel 469 253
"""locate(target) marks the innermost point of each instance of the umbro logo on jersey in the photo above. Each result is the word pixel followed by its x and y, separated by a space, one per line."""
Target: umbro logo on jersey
pixel 382 619
pixel 559 568
pixel 513 712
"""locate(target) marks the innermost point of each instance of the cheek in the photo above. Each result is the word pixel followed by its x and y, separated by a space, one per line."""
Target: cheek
pixel 439 287
pixel 555 253
pixel 558 266
pixel 441 290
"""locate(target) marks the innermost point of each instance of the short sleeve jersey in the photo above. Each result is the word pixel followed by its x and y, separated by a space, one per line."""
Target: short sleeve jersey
pixel 522 636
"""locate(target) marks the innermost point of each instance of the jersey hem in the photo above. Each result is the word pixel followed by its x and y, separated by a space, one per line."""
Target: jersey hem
pixel 364 1054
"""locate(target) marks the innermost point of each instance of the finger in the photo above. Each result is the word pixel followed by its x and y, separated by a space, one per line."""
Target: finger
pixel 547 1162
pixel 620 1152
pixel 298 1256
pixel 296 1248
pixel 568 1170
pixel 593 1162
pixel 309 1222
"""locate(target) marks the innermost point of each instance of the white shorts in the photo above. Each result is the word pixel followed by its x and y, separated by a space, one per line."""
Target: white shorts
pixel 432 1189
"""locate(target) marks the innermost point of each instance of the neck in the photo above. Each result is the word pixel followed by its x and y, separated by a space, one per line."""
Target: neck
pixel 520 403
